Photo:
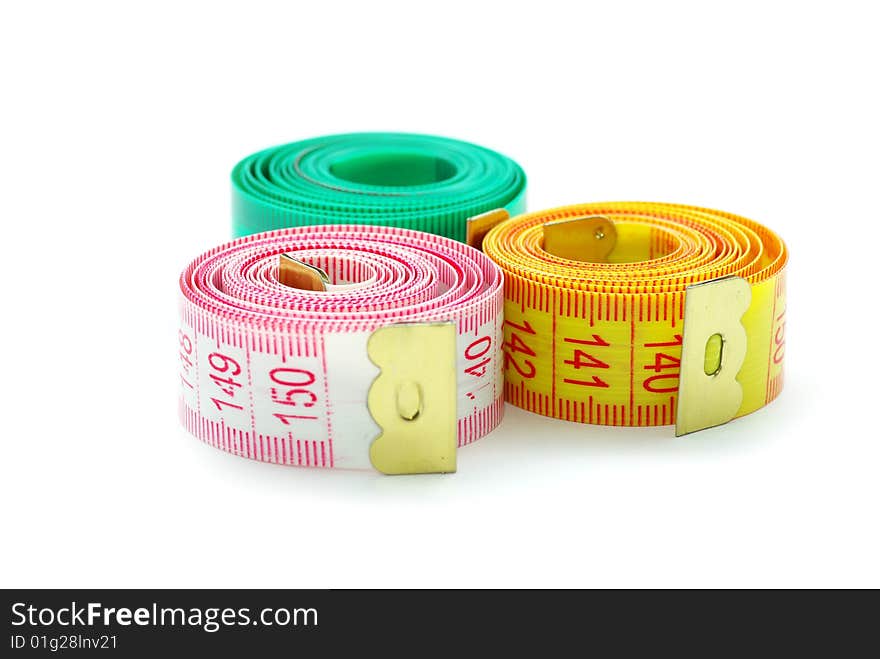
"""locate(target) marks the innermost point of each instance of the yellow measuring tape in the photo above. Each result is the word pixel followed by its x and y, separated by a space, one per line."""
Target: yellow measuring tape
pixel 639 314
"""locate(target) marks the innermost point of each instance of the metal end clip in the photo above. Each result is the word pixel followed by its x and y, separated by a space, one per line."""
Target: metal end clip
pixel 299 274
pixel 479 225
pixel 413 400
pixel 713 350
pixel 588 239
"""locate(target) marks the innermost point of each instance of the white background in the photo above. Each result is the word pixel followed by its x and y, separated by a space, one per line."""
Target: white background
pixel 119 128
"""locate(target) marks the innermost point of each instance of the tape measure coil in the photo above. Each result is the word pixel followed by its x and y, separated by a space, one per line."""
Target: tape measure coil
pixel 282 375
pixel 409 181
pixel 601 342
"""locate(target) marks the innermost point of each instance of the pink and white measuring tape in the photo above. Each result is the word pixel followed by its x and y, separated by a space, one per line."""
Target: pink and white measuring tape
pixel 289 376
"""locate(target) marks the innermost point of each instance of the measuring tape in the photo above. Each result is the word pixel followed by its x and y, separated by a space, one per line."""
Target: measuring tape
pixel 407 181
pixel 600 298
pixel 342 346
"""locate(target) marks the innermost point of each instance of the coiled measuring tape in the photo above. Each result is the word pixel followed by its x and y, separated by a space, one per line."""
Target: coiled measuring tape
pixel 408 181
pixel 342 346
pixel 640 314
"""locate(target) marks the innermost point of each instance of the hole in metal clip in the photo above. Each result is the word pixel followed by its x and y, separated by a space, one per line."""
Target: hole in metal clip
pixel 409 400
pixel 712 356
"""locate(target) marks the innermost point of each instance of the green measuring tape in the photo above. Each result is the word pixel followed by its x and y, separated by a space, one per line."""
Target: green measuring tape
pixel 409 181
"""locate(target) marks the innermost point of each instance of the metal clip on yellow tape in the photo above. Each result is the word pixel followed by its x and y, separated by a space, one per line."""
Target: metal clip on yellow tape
pixel 637 314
